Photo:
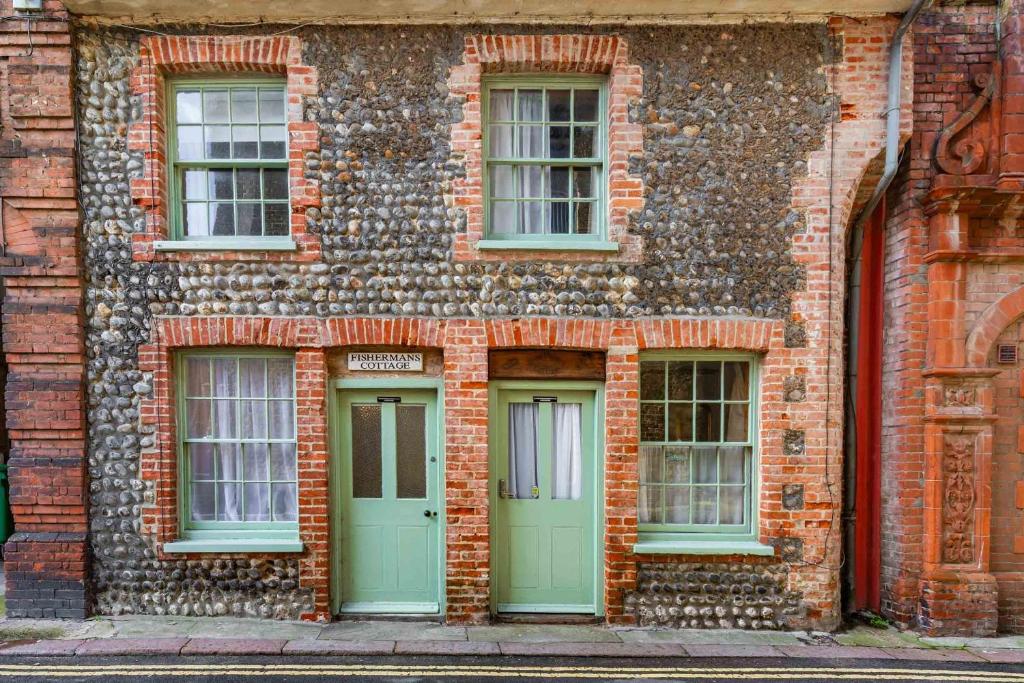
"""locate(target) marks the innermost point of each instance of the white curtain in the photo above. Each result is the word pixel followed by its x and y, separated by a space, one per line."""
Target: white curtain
pixel 567 453
pixel 651 458
pixel 522 449
pixel 532 145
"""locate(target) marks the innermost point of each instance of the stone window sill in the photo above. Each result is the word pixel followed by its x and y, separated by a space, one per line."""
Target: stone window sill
pixel 547 245
pixel 703 548
pixel 229 244
pixel 251 545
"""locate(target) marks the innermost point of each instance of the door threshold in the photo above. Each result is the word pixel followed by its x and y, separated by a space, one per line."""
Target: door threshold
pixel 546 618
pixel 366 616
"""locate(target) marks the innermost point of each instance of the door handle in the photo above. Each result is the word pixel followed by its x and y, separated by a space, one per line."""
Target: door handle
pixel 502 488
pixel 428 513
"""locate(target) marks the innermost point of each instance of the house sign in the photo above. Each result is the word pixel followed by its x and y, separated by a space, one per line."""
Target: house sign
pixel 401 362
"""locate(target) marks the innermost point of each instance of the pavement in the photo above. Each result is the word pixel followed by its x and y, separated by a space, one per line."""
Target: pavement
pixel 141 636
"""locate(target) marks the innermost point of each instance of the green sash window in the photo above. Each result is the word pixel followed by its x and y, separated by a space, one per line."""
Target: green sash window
pixel 544 151
pixel 697 446
pixel 228 159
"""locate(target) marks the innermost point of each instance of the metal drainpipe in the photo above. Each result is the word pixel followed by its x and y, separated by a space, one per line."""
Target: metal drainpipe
pixel 892 151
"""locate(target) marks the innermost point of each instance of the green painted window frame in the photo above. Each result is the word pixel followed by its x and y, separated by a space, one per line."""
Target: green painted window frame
pixel 177 239
pixel 596 240
pixel 708 538
pixel 213 536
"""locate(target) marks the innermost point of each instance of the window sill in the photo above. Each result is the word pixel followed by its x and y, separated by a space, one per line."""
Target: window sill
pixel 547 245
pixel 254 545
pixel 703 548
pixel 229 244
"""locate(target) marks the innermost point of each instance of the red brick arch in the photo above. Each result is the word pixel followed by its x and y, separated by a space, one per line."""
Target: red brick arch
pixel 991 324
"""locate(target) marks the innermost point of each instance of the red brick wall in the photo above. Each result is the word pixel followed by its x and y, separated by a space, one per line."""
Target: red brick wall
pixel 46 560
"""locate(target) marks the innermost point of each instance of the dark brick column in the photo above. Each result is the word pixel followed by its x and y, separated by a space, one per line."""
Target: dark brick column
pixel 46 559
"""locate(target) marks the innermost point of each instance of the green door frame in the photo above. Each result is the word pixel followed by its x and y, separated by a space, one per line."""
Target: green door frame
pixel 599 481
pixel 336 478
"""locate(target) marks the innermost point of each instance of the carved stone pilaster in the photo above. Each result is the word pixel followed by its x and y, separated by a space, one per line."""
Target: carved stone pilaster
pixel 958 499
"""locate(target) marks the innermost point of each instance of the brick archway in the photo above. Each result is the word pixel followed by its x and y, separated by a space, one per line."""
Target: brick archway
pixel 991 324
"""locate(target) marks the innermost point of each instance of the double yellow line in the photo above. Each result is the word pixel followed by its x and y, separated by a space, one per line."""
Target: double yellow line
pixel 49 671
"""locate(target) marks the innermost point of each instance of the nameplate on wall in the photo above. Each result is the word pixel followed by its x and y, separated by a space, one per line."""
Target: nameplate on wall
pixel 392 362
pixel 545 364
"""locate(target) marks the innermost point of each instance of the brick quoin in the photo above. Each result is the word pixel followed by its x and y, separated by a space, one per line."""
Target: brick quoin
pixel 46 561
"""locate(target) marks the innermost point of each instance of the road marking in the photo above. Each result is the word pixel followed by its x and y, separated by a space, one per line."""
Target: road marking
pixel 369 670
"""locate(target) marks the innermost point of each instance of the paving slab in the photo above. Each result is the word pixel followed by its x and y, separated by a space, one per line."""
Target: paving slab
pixel 219 627
pixel 1001 656
pixel 132 646
pixel 932 654
pixel 834 652
pixel 997 643
pixel 339 647
pixel 542 633
pixel 391 630
pixel 732 651
pixel 445 647
pixel 878 637
pixel 152 627
pixel 563 649
pixel 233 646
pixel 708 637
pixel 42 648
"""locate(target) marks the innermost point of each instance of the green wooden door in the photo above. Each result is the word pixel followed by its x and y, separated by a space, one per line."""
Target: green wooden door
pixel 390 505
pixel 543 459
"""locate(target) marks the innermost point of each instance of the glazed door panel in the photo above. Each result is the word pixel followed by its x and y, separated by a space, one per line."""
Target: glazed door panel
pixel 390 503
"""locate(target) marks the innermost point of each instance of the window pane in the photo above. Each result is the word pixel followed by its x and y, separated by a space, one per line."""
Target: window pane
pixel 559 105
pixel 247 183
pixel 582 182
pixel 199 418
pixel 677 504
pixel 222 183
pixel 583 143
pixel 275 183
pixel 731 501
pixel 250 219
pixel 197 377
pixel 410 451
pixel 222 218
pixel 677 464
pixel 196 220
pixel 257 502
pixel 737 381
pixel 584 217
pixel 190 143
pixel 736 421
pixel 501 105
pixel 652 422
pixel 680 380
pixel 558 137
pixel 280 372
pixel 188 106
pixel 531 181
pixel 246 145
pixel 531 142
pixel 275 219
pixel 709 419
pixel 282 461
pixel 733 464
pixel 254 419
pixel 567 452
pixel 225 377
pixel 366 451
pixel 585 105
pixel 271 105
pixel 252 377
pixel 503 218
pixel 201 461
pixel 705 465
pixel 285 500
pixel 651 459
pixel 229 462
pixel 272 142
pixel 652 380
pixel 709 379
pixel 218 142
pixel 680 422
pixel 243 105
pixel 522 449
pixel 215 106
pixel 203 502
pixel 557 218
pixel 531 105
pixel 229 502
pixel 225 419
pixel 500 141
pixel 559 184
pixel 503 181
pixel 256 463
pixel 705 505
pixel 282 420
pixel 649 507
pixel 194 183
pixel 531 215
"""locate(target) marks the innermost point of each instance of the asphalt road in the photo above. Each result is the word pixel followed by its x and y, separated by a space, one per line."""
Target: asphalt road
pixel 464 669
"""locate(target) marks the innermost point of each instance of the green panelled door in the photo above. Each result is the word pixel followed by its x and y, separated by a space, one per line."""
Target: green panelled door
pixel 543 462
pixel 389 508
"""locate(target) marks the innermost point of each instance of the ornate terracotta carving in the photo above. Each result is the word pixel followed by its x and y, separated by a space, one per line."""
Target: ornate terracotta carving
pixel 958 499
pixel 965 156
pixel 959 396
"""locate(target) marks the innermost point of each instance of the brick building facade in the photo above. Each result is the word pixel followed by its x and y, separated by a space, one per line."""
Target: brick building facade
pixel 191 435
